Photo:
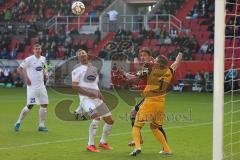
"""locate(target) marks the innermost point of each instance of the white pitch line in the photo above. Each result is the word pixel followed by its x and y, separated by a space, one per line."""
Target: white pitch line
pixel 112 135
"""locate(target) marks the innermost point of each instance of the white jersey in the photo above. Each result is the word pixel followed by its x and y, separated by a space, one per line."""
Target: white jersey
pixel 34 68
pixel 87 78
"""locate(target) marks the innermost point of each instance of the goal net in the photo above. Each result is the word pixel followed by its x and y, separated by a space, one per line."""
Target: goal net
pixel 226 121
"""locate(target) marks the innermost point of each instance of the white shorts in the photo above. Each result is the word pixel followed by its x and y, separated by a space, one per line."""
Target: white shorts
pixel 92 106
pixel 37 96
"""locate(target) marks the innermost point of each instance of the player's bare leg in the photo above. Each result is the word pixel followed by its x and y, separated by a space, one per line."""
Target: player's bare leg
pixel 106 131
pixel 42 118
pixel 22 115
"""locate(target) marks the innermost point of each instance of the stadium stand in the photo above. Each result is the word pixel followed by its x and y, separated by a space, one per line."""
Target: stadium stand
pixel 23 25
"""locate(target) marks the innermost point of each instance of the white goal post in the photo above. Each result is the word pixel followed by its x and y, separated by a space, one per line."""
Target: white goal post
pixel 218 95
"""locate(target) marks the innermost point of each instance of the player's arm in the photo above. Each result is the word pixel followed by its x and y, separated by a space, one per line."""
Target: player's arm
pixel 21 71
pixel 24 75
pixel 45 73
pixel 177 62
pixel 82 91
pixel 45 70
pixel 130 76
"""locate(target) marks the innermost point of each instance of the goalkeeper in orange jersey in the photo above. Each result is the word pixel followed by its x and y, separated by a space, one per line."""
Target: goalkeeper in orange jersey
pixel 141 76
pixel 152 109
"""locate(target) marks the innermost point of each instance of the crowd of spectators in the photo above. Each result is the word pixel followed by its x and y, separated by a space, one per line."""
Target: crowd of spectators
pixel 170 7
pixel 10 78
pixel 200 81
pixel 40 10
pixel 53 43
pixel 202 9
pixel 187 44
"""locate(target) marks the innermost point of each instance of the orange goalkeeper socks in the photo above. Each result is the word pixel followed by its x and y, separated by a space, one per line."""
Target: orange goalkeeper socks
pixel 136 136
pixel 160 137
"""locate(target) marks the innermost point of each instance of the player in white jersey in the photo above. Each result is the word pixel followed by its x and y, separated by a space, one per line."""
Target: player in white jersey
pixel 85 82
pixel 32 70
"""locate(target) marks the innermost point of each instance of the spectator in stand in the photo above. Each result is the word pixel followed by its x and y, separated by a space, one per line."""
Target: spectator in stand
pixel 13 54
pixel 5 54
pixel 150 34
pixel 172 55
pixel 168 40
pixel 231 77
pixel 173 33
pixel 7 75
pixel 189 76
pixel 204 48
pixel 143 33
pixel 16 80
pixel 68 40
pixel 199 79
pixel 113 17
pixel 211 47
pixel 121 32
pixel 128 35
pixel 8 15
pixel 51 54
pixel 97 34
pixel 155 53
pixel 1 75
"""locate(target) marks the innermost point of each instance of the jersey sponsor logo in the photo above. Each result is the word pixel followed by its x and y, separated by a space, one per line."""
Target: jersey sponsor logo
pixel 39 68
pixel 91 110
pixel 32 100
pixel 91 78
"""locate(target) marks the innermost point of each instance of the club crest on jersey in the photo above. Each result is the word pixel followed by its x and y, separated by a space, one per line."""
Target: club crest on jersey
pixel 39 68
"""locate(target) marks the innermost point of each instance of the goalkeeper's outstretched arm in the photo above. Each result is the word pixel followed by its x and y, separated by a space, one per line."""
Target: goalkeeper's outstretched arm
pixel 177 62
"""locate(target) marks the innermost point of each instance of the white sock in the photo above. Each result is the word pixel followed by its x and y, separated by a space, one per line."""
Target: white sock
pixel 106 131
pixel 92 131
pixel 23 113
pixel 42 116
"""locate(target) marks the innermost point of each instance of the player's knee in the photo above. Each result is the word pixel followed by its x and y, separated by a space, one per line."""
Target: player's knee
pixel 137 126
pixel 95 116
pixel 110 121
pixel 154 126
pixel 30 106
pixel 44 105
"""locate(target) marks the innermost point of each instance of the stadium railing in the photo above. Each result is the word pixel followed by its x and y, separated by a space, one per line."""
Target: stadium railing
pixel 127 22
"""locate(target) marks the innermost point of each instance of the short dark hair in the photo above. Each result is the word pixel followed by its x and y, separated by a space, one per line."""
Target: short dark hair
pixel 37 45
pixel 146 50
pixel 162 61
pixel 80 50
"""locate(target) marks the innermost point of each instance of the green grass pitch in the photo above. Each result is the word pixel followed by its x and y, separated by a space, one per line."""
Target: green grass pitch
pixel 189 131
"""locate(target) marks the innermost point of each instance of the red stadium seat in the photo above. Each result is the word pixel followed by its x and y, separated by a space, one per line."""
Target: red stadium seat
pixel 90 43
pixel 207 57
pixel 197 57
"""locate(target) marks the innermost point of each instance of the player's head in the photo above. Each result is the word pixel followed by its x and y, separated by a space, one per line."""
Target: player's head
pixel 145 55
pixel 37 49
pixel 161 61
pixel 82 56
